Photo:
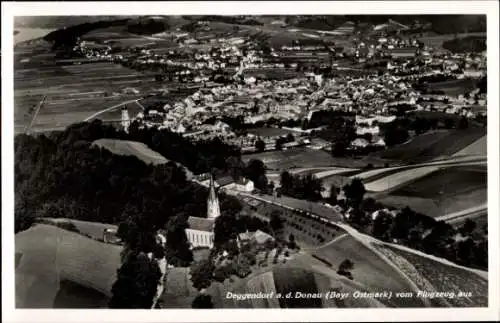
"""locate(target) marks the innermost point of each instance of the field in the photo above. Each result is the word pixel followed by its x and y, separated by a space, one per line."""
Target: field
pixel 446 182
pixel 73 92
pixel 93 229
pixel 132 148
pixel 395 180
pixel 370 270
pixel 137 149
pixel 436 41
pixel 478 147
pixel 433 145
pixel 49 257
pixel 446 278
pixel 454 87
pixel 296 280
pixel 440 192
pixel 26 34
pixel 270 132
pixel 72 295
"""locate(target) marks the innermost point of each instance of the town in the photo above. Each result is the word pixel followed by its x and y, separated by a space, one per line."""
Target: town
pixel 172 160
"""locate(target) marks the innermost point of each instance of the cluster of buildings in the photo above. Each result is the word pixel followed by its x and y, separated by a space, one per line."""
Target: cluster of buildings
pixel 239 93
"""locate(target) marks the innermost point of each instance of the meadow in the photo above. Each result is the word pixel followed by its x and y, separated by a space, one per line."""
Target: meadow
pixel 373 273
pixel 73 92
pixel 433 145
pixel 49 257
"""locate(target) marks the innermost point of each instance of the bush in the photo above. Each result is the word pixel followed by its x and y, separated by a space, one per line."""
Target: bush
pixel 223 272
pixel 202 301
pixel 345 268
pixel 201 273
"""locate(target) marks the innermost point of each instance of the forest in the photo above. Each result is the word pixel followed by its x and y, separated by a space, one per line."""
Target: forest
pixel 63 175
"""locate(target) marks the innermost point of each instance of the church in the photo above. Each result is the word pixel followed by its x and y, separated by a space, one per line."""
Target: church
pixel 200 232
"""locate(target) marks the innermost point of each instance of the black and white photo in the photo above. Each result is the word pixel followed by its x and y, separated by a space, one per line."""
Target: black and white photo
pixel 252 161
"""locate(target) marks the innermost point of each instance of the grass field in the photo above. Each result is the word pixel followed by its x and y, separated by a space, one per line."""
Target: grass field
pixel 137 149
pixel 436 41
pixel 51 255
pixel 454 87
pixel 73 92
pixel 369 269
pixel 393 181
pixel 93 229
pixel 440 192
pixel 478 147
pixel 270 132
pixel 303 157
pixel 433 145
pixel 296 280
pixel 446 182
pixel 132 148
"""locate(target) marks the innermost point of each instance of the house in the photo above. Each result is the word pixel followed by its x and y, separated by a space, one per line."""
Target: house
pixel 258 237
pixel 360 143
pixel 244 185
pixel 109 236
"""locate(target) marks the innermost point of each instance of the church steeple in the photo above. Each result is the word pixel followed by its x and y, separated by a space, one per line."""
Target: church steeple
pixel 213 209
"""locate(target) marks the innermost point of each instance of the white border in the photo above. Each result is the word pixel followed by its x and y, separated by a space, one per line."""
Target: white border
pixel 9 314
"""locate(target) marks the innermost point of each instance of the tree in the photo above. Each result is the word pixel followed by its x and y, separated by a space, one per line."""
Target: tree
pixel 465 251
pixel 178 252
pixel 355 192
pixel 256 172
pixel 136 284
pixel 345 268
pixel 291 241
pixel 395 135
pixel 276 222
pixel 279 143
pixel 260 145
pixel 242 266
pixel 463 123
pixel 468 227
pixel 339 148
pixel 226 229
pixel 334 191
pixel 290 137
pixel 201 273
pixel 202 301
pixel 448 123
pixel 382 225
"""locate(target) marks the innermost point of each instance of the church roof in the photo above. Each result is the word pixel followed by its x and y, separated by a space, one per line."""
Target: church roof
pixel 223 181
pixel 201 224
pixel 211 193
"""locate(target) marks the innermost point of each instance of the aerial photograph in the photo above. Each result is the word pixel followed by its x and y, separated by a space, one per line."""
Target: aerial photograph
pixel 250 161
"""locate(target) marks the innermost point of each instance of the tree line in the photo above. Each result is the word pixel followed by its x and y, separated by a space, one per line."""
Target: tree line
pixel 466 245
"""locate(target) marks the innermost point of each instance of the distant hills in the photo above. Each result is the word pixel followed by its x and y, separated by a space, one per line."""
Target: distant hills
pixel 441 24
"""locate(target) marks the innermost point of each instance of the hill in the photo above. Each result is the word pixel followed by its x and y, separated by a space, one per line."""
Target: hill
pixel 50 261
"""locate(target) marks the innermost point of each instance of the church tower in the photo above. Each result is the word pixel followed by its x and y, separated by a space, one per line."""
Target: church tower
pixel 213 209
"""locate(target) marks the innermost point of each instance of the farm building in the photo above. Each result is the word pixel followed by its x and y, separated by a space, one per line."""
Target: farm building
pixel 242 185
